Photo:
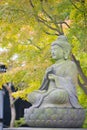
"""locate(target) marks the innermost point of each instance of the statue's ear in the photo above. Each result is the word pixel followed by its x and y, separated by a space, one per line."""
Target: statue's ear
pixel 66 54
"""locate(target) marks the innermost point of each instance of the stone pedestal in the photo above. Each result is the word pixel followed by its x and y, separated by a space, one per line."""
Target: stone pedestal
pixel 55 117
pixel 24 128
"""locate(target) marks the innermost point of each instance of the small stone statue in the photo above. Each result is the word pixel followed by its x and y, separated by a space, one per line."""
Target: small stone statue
pixel 55 104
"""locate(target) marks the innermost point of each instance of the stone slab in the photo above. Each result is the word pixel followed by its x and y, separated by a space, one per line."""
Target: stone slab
pixel 24 128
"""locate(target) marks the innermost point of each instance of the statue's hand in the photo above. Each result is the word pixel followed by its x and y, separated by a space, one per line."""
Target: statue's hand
pixel 51 76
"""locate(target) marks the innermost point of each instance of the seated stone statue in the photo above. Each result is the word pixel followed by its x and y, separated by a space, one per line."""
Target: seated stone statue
pixel 59 84
pixel 58 89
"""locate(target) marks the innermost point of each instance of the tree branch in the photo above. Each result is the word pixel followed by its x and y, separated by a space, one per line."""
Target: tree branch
pixel 84 14
pixel 80 69
pixel 47 14
pixel 34 44
pixel 76 6
pixel 82 86
pixel 66 24
pixel 52 20
pixel 62 33
pixel 31 3
pixel 50 33
pixel 43 21
pixel 81 74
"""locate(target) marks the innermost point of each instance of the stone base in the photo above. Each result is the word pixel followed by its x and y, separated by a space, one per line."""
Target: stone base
pixel 55 117
pixel 24 128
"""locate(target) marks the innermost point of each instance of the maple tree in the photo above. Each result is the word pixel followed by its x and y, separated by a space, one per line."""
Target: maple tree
pixel 28 28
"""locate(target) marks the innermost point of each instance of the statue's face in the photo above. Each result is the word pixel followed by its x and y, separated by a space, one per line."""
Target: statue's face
pixel 57 52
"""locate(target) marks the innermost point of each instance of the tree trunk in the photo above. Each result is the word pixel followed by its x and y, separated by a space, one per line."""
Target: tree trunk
pixel 12 106
pixel 84 78
pixel 13 112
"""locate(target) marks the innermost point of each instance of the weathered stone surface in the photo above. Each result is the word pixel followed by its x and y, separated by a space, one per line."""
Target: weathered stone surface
pixel 55 104
pixel 56 117
pixel 42 128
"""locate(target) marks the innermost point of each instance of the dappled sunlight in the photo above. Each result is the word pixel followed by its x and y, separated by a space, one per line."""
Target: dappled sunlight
pixel 26 34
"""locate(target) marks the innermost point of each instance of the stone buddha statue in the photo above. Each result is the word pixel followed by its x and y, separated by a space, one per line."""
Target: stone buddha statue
pixel 58 89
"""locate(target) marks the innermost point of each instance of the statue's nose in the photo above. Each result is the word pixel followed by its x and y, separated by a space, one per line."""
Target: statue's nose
pixel 52 53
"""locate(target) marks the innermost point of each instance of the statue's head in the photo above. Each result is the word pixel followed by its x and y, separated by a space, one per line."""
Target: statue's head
pixel 60 48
